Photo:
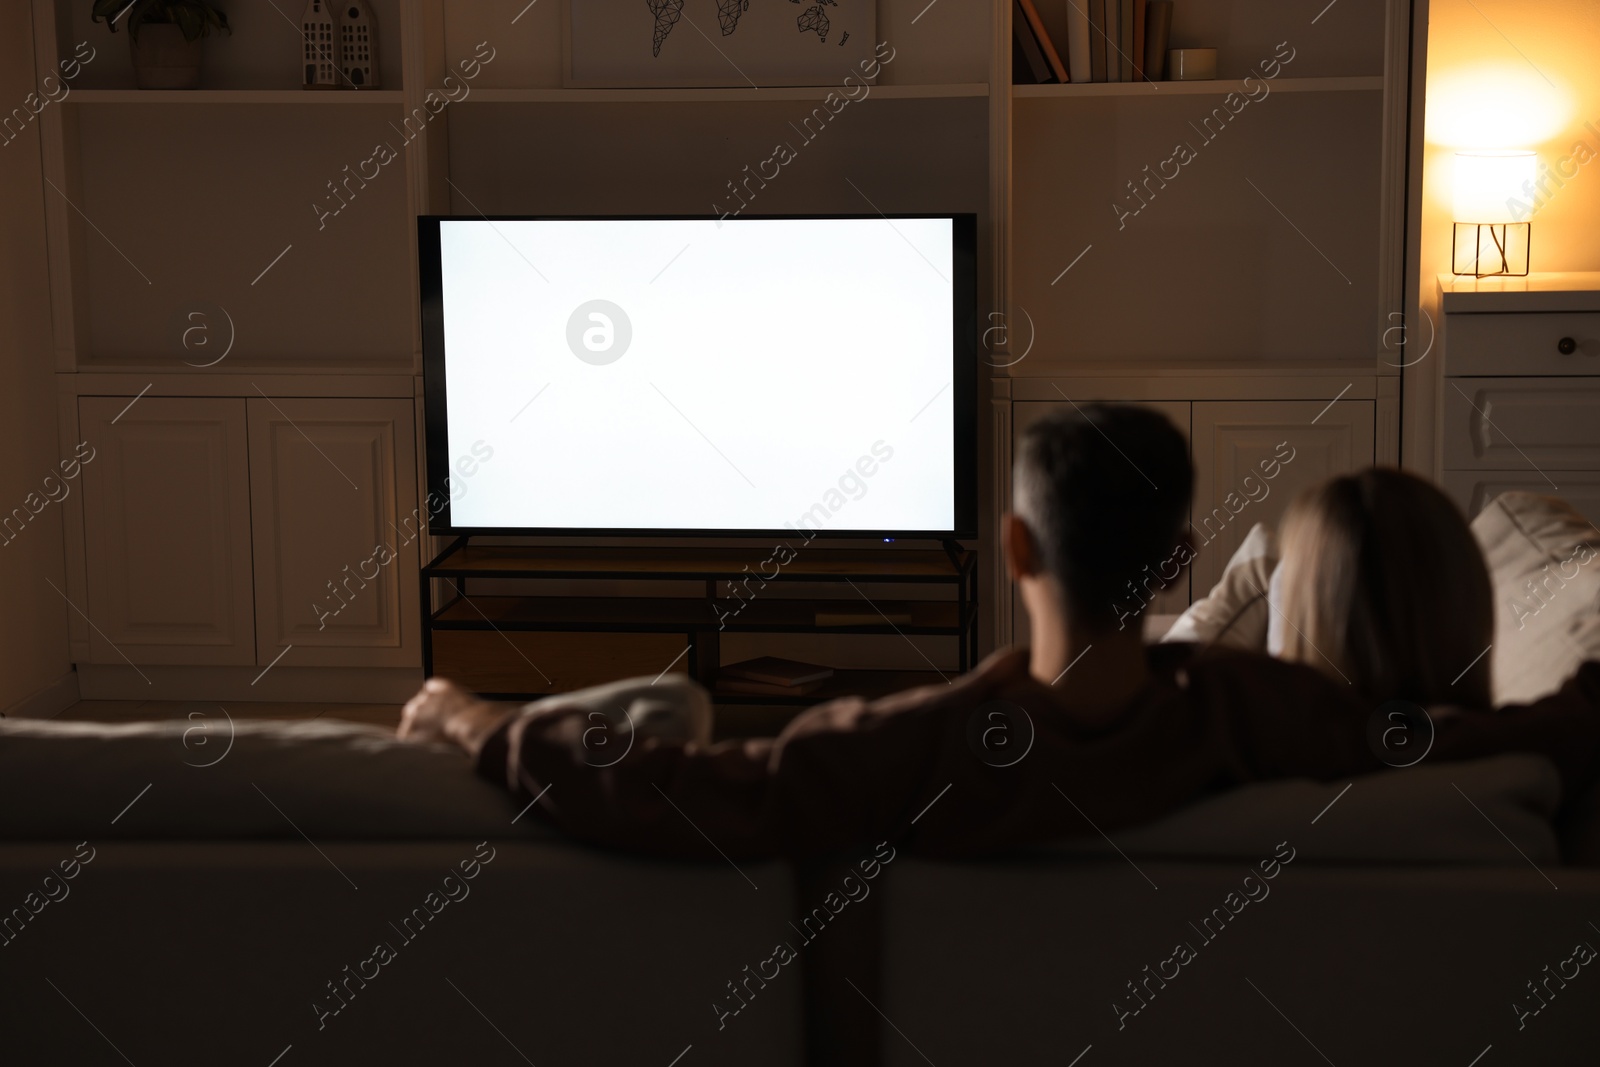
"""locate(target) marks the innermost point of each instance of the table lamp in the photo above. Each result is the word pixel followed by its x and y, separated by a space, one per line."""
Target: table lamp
pixel 1489 241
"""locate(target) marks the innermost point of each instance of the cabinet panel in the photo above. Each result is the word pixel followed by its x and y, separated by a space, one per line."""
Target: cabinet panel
pixel 1303 441
pixel 1473 489
pixel 167 530
pixel 1170 601
pixel 336 531
pixel 1527 424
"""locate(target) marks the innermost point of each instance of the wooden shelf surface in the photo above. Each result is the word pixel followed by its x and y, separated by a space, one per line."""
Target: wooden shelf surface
pixel 1214 87
pixel 329 98
pixel 679 614
pixel 748 94
pixel 809 563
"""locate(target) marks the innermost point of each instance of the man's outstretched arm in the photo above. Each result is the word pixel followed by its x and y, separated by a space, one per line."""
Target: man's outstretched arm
pixel 843 774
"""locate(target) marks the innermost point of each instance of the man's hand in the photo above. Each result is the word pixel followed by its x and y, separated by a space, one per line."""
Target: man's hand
pixel 443 711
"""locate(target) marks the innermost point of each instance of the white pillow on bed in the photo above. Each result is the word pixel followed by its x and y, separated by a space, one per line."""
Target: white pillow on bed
pixel 322 779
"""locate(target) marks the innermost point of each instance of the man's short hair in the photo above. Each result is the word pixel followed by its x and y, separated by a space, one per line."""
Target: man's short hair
pixel 1105 491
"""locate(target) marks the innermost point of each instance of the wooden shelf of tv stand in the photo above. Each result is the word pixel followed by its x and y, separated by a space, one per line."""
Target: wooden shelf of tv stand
pixel 810 563
pixel 771 614
pixel 509 617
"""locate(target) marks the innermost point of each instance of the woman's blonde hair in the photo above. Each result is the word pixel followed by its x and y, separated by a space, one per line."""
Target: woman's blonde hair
pixel 1384 586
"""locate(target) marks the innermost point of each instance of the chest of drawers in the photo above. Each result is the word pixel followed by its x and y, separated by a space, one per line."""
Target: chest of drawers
pixel 1521 382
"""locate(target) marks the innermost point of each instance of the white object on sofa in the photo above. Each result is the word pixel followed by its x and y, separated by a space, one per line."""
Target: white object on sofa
pixel 1235 613
pixel 1544 563
pixel 237 778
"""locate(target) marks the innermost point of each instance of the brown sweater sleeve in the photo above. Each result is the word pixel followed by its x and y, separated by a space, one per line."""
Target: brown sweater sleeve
pixel 1564 727
pixel 1273 719
pixel 840 775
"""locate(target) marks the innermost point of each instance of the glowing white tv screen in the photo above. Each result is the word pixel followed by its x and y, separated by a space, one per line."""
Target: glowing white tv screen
pixel 700 375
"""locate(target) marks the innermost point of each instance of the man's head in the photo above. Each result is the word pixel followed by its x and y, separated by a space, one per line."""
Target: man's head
pixel 1101 492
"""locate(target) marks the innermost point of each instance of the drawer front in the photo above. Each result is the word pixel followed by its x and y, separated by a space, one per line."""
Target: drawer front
pixel 1515 343
pixel 1473 489
pixel 1523 424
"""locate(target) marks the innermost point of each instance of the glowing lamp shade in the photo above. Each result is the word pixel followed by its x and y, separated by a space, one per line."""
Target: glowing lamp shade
pixel 1491 236
pixel 1487 184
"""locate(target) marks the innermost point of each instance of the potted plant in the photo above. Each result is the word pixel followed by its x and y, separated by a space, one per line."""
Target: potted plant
pixel 166 37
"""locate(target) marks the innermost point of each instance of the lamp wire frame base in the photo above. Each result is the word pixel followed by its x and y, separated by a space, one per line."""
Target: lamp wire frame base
pixel 1491 249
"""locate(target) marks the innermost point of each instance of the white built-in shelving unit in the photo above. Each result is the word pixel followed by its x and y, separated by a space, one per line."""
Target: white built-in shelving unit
pixel 1249 293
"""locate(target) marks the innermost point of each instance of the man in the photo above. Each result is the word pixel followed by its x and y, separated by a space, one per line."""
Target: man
pixel 1087 731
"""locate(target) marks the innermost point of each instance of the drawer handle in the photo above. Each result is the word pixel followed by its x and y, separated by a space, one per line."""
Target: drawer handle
pixel 1566 346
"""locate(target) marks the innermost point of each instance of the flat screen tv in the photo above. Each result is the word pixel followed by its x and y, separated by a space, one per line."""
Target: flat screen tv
pixel 665 376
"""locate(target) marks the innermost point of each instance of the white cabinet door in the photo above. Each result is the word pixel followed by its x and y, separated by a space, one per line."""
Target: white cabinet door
pixel 1252 458
pixel 334 489
pixel 166 504
pixel 1173 600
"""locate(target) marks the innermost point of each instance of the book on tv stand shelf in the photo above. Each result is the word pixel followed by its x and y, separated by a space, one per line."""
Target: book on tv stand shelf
pixel 785 674
pixel 745 687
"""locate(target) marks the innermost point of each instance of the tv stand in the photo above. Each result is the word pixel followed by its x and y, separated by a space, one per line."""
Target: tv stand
pixel 524 621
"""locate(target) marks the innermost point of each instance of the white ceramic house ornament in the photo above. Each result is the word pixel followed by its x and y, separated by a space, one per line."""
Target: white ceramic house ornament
pixel 320 29
pixel 359 44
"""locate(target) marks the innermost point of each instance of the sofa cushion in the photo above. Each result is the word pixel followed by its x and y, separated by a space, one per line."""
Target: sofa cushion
pixel 221 777
pixel 324 778
pixel 1420 815
pixel 1542 562
pixel 1235 613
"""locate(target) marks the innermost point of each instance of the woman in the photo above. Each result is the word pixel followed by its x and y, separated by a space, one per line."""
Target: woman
pixel 1382 585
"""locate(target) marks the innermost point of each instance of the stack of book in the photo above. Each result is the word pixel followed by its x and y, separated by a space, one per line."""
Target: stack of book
pixel 771 676
pixel 1106 41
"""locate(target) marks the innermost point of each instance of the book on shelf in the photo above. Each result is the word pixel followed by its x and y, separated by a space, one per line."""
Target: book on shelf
pixel 1109 42
pixel 773 670
pixel 1140 14
pixel 1157 32
pixel 1097 39
pixel 1125 38
pixel 1078 42
pixel 1046 45
pixel 743 687
pixel 1035 69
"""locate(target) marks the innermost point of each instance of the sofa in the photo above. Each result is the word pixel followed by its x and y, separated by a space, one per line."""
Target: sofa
pixel 324 894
